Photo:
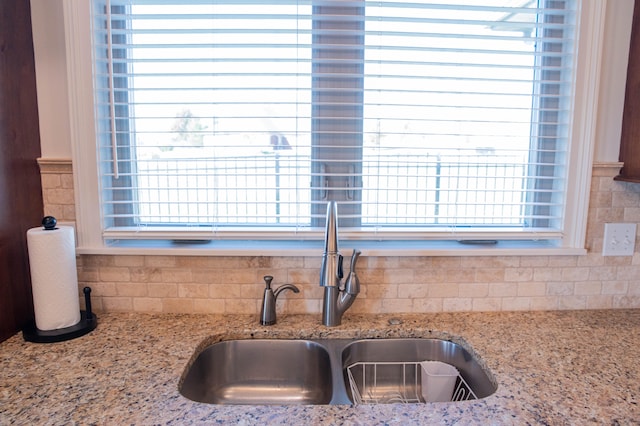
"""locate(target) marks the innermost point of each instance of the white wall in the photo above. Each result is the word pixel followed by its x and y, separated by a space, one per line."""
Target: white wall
pixel 49 47
pixel 612 84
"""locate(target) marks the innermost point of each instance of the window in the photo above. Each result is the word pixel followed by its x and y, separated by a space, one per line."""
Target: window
pixel 424 120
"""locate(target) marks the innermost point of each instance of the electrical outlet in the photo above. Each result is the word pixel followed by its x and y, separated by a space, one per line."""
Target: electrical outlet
pixel 619 239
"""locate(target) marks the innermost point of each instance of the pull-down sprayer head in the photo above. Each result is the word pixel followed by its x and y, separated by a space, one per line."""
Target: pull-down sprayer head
pixel 331 229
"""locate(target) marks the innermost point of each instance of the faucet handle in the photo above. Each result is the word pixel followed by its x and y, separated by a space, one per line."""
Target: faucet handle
pixel 352 285
pixel 354 259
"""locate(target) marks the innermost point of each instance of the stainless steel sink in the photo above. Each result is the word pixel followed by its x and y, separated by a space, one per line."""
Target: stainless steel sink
pixel 260 372
pixel 271 371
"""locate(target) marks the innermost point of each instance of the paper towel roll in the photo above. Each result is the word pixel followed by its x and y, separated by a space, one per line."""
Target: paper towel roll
pixel 54 277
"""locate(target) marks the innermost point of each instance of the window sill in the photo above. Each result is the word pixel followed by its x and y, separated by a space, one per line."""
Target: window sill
pixel 315 248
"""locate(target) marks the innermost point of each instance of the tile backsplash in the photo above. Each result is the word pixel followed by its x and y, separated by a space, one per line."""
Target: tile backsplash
pixel 389 284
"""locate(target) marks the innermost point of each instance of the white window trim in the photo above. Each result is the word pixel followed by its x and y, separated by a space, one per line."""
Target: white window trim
pixel 88 213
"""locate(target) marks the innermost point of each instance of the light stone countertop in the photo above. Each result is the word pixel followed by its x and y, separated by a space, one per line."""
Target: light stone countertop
pixel 556 368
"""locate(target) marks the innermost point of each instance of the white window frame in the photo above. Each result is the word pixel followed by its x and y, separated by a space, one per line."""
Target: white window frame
pixel 88 213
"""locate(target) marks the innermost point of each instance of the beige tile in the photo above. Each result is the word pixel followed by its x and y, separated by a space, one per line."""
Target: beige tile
pixel 208 306
pixel 176 275
pixel 430 305
pixel 177 305
pixel 556 288
pixel 162 290
pixel 626 302
pixel 588 288
pixel 518 274
pixel 224 291
pixel 447 263
pixel 66 181
pixel 145 274
pixel 160 261
pixel 117 304
pixel 396 305
pixel 132 289
pixel 193 291
pixel 447 290
pixel 534 261
pixel 197 262
pixel 368 306
pixel 547 274
pixel 119 274
pixel 60 196
pixel 503 289
pixel 384 291
pixel 475 290
pixel 241 306
pixel 88 274
pixel 572 302
pixel 544 303
pixel 50 181
pixel 411 291
pixel 462 275
pixel 240 276
pixel 602 273
pixel 128 260
pixel 292 263
pixel 516 303
pixel 399 276
pixel 634 288
pixel 207 276
pixel 490 262
pixel 68 214
pixel 487 304
pixel 532 288
pixel 370 276
pixel 302 276
pixel 563 261
pixel 147 304
pixel 599 302
pixel 457 304
pixel 314 306
pixel 103 289
pixel 615 287
pixel 575 274
pixel 628 273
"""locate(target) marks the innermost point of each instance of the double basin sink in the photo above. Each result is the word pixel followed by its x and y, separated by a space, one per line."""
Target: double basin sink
pixel 299 371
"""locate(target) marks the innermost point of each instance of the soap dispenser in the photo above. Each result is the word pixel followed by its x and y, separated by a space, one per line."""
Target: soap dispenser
pixel 268 311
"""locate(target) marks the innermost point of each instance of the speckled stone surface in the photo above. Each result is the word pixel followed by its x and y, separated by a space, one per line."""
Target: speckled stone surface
pixel 556 368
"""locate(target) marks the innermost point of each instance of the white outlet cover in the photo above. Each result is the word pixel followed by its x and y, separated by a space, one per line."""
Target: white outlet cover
pixel 619 239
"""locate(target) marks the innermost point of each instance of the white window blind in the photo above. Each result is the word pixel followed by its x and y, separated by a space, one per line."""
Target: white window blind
pixel 422 119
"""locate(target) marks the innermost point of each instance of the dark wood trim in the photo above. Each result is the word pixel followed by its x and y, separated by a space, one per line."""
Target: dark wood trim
pixel 630 139
pixel 20 186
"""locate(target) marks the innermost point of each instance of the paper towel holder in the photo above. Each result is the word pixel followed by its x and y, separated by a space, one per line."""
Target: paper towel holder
pixel 88 323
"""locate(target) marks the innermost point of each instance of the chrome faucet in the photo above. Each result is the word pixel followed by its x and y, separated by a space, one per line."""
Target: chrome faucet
pixel 337 299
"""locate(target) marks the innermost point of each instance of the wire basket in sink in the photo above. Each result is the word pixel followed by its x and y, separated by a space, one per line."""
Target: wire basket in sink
pixel 406 382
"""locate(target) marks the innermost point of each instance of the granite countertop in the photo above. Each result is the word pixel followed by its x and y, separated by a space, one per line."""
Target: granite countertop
pixel 568 367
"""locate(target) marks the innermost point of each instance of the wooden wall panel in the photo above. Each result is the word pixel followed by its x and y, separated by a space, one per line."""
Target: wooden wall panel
pixel 630 139
pixel 20 186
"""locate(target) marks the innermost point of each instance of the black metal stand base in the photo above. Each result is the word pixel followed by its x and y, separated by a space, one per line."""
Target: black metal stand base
pixel 32 334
